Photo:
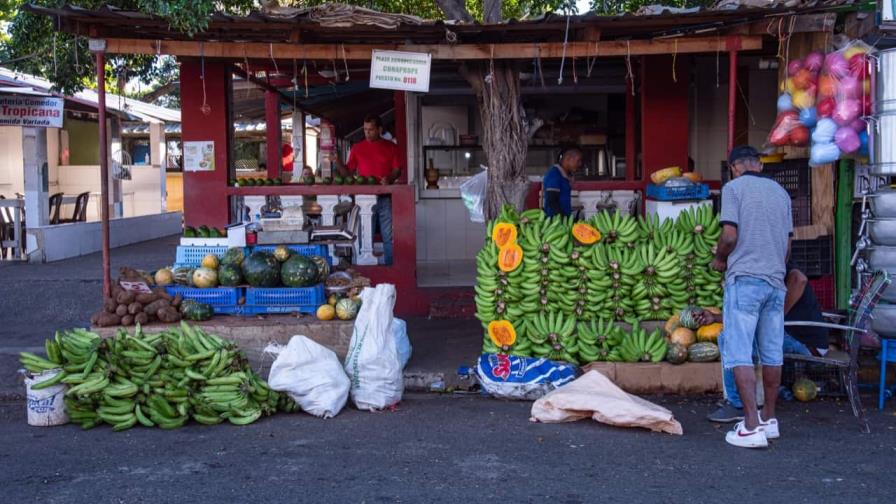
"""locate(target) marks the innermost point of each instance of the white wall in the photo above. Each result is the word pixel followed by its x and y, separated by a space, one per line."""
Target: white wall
pixel 12 175
pixel 444 231
pixel 141 195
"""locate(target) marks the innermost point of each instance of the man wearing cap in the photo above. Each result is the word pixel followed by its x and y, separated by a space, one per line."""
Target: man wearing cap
pixel 753 252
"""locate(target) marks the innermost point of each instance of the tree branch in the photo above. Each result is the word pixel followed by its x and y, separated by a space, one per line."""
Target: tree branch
pixel 491 11
pixel 455 10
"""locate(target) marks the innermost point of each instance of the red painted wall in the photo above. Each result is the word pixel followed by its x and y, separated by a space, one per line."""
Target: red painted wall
pixel 273 133
pixel 204 199
pixel 664 113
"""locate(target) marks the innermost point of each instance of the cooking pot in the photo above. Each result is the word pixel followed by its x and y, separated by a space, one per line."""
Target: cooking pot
pixel 883 320
pixel 885 81
pixel 883 202
pixel 882 130
pixel 882 231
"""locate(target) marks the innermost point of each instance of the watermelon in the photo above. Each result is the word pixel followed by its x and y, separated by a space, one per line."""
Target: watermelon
pixel 196 311
pixel 703 352
pixel 805 390
pixel 234 256
pixel 299 271
pixel 347 309
pixel 230 275
pixel 323 268
pixel 676 354
pixel 260 269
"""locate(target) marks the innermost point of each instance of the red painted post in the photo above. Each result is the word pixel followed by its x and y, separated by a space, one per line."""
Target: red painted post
pixel 104 170
pixel 205 198
pixel 401 135
pixel 664 114
pixel 273 133
pixel 732 96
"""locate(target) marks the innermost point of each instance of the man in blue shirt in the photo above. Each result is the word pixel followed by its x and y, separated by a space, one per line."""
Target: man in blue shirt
pixel 557 183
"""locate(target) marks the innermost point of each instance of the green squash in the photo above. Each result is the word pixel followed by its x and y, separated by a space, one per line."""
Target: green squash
pixel 193 310
pixel 347 309
pixel 687 317
pixel 703 352
pixel 260 269
pixel 234 256
pixel 230 275
pixel 676 354
pixel 323 268
pixel 183 276
pixel 299 271
pixel 282 253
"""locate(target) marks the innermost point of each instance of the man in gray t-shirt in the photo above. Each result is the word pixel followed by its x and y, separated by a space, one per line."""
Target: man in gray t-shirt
pixel 753 251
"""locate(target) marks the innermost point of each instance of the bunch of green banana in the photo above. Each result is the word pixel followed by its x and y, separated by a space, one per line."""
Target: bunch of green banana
pixel 570 283
pixel 616 229
pixel 703 224
pixel 650 228
pixel 597 339
pixel 73 352
pixel 621 268
pixel 553 336
pixel 490 287
pixel 547 246
pixel 638 346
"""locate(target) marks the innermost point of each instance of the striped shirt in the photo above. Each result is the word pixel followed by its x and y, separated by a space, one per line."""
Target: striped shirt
pixel 760 210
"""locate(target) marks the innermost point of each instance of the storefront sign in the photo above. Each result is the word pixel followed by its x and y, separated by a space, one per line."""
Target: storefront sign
pixel 199 156
pixel 31 111
pixel 403 71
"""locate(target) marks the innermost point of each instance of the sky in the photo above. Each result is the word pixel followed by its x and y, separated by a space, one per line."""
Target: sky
pixel 583 5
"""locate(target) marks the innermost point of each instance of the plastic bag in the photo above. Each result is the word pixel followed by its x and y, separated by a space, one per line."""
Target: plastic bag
pixel 311 375
pixel 402 343
pixel 844 91
pixel 473 193
pixel 797 112
pixel 595 396
pixel 372 363
pixel 525 378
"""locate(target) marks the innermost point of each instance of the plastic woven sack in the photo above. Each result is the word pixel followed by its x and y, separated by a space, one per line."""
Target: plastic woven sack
pixel 525 378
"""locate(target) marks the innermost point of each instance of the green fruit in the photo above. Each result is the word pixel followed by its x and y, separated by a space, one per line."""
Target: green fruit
pixel 234 256
pixel 231 182
pixel 360 179
pixel 192 310
pixel 278 181
pixel 349 180
pixel 230 275
pixel 299 271
pixel 282 253
pixel 183 276
pixel 327 181
pixel 371 180
pixel 261 269
pixel 703 352
pixel 205 278
pixel 676 354
pixel 338 180
pixel 323 268
pixel 347 309
pixel 308 180
pixel 269 182
pixel 805 390
pixel 189 233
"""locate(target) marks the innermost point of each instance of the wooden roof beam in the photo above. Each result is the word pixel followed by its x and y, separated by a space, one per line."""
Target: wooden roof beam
pixel 336 52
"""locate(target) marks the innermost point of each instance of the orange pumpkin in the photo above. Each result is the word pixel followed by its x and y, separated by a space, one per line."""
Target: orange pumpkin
pixel 504 234
pixel 585 234
pixel 502 333
pixel 510 257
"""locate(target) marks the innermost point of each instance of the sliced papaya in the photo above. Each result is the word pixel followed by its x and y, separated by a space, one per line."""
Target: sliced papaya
pixel 585 233
pixel 504 234
pixel 510 257
pixel 502 333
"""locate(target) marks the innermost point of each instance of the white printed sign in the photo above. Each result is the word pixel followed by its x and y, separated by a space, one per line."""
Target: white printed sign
pixel 31 111
pixel 403 71
pixel 199 156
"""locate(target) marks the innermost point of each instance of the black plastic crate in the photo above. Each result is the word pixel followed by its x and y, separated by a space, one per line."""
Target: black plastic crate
pixel 801 209
pixel 794 175
pixel 815 257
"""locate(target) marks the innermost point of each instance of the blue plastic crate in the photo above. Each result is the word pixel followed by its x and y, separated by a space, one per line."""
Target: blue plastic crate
pixel 305 250
pixel 285 296
pixel 262 310
pixel 192 255
pixel 677 193
pixel 222 299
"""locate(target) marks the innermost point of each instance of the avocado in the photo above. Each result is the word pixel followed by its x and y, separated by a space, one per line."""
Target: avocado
pixel 213 233
pixel 337 180
pixel 269 182
pixel 327 181
pixel 259 181
pixel 360 180
pixel 308 180
pixel 278 181
pixel 231 182
pixel 349 180
pixel 189 232
pixel 371 180
pixel 202 232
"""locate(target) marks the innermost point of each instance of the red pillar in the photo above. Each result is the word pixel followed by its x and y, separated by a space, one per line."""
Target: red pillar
pixel 273 134
pixel 204 199
pixel 401 135
pixel 732 96
pixel 664 114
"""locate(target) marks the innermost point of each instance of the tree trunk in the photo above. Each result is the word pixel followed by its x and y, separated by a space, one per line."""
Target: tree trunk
pixel 505 139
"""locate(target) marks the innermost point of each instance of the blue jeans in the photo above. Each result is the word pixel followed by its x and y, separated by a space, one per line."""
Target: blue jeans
pixel 753 319
pixel 791 345
pixel 383 212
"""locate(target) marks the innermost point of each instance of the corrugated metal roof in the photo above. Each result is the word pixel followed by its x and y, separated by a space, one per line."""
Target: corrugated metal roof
pixel 128 107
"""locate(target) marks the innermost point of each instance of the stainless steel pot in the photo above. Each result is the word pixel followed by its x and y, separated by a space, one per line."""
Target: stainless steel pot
pixel 885 81
pixel 883 202
pixel 883 320
pixel 882 231
pixel 882 129
pixel 881 258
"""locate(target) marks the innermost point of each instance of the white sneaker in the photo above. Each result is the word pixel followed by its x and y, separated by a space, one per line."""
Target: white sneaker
pixel 770 427
pixel 744 438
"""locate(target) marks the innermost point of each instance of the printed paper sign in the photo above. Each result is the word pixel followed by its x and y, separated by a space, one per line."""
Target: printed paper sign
pixel 403 71
pixel 140 287
pixel 31 111
pixel 199 156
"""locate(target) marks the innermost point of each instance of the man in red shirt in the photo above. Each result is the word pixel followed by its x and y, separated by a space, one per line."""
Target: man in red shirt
pixel 375 157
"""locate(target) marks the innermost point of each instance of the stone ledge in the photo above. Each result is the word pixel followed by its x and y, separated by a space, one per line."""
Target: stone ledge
pixel 689 378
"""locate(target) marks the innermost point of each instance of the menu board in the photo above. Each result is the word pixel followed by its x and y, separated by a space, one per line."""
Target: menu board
pixel 199 156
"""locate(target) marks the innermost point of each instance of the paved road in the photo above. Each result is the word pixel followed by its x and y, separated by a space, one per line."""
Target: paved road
pixel 450 449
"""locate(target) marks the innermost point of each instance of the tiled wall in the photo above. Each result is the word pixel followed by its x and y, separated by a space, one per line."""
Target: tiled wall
pixel 444 231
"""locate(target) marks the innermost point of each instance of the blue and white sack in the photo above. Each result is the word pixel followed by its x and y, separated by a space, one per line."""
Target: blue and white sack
pixel 526 378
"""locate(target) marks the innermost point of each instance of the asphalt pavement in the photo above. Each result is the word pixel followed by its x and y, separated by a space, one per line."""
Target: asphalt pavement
pixel 436 448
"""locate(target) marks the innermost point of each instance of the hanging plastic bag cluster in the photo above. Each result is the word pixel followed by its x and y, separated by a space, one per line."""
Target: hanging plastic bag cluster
pixel 823 102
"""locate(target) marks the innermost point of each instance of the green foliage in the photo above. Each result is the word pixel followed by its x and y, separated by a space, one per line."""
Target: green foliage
pixel 612 7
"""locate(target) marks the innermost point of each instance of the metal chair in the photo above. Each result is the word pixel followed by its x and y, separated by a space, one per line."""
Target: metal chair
pixel 55 206
pixel 863 304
